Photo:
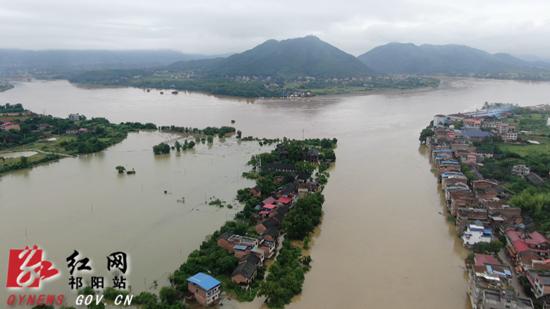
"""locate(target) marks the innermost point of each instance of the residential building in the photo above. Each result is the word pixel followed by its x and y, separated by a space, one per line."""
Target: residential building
pixel 494 294
pixel 74 117
pixel 8 126
pixel 474 134
pixel 465 216
pixel 489 268
pixel 246 270
pixel 278 167
pixel 457 198
pixel 540 283
pixel 495 299
pixel 228 241
pixel 267 224
pixel 205 289
pixel 524 248
pixel 485 189
pixel 520 170
pixel 269 247
pixel 472 123
pixel 510 136
pixel 440 120
pixel 476 233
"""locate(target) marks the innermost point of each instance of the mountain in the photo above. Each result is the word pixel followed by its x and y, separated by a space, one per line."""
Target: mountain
pixel 307 56
pixel 407 58
pixel 14 61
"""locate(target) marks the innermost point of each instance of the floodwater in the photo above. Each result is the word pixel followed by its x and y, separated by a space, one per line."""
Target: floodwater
pixel 83 204
pixel 383 242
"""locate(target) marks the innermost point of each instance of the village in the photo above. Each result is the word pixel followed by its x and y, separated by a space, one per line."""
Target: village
pixel 296 170
pixel 509 266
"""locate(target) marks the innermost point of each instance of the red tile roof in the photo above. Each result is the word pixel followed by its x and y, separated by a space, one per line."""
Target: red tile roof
pixel 482 259
pixel 269 200
pixel 513 235
pixel 284 199
pixel 269 206
pixel 520 245
pixel 536 238
pixel 531 239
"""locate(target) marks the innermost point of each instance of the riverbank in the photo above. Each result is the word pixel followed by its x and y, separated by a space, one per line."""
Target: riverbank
pixel 489 164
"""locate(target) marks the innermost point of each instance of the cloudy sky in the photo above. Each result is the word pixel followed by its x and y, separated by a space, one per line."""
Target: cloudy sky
pixel 225 26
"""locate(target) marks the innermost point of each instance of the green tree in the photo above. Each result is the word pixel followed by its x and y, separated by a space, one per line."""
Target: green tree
pixel 426 132
pixel 168 295
pixel 161 148
pixel 147 299
pixel 121 169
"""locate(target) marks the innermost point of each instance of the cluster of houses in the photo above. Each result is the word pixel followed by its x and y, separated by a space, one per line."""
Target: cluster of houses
pixel 482 215
pixel 254 251
pixel 9 126
pixel 7 122
pixel 478 125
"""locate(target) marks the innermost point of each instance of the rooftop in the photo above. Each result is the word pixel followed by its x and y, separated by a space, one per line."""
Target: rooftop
pixel 475 133
pixel 206 282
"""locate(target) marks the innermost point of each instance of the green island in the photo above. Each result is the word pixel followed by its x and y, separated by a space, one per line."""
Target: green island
pixel 493 165
pixel 252 88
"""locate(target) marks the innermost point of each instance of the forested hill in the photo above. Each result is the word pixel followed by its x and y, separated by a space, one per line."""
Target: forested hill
pixel 406 58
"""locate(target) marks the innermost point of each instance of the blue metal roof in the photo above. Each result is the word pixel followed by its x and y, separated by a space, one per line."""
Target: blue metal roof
pixel 240 247
pixel 472 133
pixel 206 282
pixel 449 162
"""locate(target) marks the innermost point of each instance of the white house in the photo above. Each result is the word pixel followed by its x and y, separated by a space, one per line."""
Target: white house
pixel 440 120
pixel 476 234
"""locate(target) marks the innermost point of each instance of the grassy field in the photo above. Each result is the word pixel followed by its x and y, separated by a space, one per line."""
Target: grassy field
pixel 535 123
pixel 524 150
pixel 46 151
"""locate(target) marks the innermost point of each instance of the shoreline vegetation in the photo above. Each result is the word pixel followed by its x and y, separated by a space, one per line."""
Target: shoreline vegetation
pixel 493 165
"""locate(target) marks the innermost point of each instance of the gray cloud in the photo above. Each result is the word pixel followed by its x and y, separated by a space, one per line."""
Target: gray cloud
pixel 216 26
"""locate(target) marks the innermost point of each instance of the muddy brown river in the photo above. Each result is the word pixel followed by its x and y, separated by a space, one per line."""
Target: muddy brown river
pixel 383 242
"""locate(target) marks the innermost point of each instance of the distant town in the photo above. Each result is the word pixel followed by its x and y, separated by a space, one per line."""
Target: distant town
pixel 493 167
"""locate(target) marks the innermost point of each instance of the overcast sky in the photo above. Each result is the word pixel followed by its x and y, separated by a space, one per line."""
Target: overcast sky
pixel 225 26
